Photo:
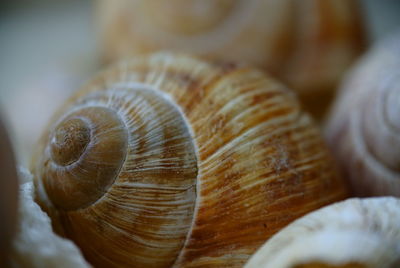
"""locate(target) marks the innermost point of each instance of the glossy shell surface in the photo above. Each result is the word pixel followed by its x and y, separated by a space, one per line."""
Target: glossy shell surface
pixel 186 163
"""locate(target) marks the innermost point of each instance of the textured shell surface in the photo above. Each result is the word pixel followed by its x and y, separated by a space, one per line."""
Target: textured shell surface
pixel 167 160
pixel 356 233
pixel 8 193
pixel 307 44
pixel 35 244
pixel 364 125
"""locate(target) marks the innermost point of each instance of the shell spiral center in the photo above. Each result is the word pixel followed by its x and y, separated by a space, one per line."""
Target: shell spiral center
pixel 69 141
pixel 84 155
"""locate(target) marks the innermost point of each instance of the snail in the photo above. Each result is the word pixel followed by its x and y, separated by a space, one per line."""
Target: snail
pixel 168 160
pixel 356 233
pixel 364 126
pixel 8 194
pixel 307 44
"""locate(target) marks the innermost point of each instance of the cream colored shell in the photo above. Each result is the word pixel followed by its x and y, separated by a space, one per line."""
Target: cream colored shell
pixel 8 194
pixel 356 233
pixel 35 245
pixel 364 127
pixel 307 44
pixel 167 160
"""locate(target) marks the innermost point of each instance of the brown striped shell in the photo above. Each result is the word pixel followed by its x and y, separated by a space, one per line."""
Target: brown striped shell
pixel 307 44
pixel 364 126
pixel 167 160
pixel 356 233
pixel 8 194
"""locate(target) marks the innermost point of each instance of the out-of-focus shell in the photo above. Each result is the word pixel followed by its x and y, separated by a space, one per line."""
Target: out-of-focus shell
pixel 168 160
pixel 307 44
pixel 364 125
pixel 356 233
pixel 8 194
pixel 35 244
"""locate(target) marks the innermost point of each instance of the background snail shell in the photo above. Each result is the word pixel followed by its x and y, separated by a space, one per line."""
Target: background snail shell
pixel 307 44
pixel 169 160
pixel 364 127
pixel 8 194
pixel 357 233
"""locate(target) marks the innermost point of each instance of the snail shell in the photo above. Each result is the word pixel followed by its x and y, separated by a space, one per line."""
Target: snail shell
pixel 168 160
pixel 307 44
pixel 356 233
pixel 8 194
pixel 364 127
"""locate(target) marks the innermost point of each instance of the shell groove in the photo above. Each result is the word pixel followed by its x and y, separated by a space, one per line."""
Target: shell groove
pixel 155 185
pixel 220 157
pixel 364 126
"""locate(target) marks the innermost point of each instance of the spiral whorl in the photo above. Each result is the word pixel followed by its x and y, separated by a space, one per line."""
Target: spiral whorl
pixel 364 128
pixel 214 158
pixel 125 148
pixel 381 123
pixel 392 110
pixel 78 168
pixel 69 141
pixel 307 44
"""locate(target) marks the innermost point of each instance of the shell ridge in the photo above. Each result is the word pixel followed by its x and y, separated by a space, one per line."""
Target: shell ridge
pixel 108 189
pixel 362 148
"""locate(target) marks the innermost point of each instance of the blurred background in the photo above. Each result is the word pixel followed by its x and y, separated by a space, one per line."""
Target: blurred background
pixel 49 48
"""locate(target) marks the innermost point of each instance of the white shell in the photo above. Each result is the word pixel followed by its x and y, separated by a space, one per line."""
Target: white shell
pixel 362 231
pixel 35 244
pixel 364 126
